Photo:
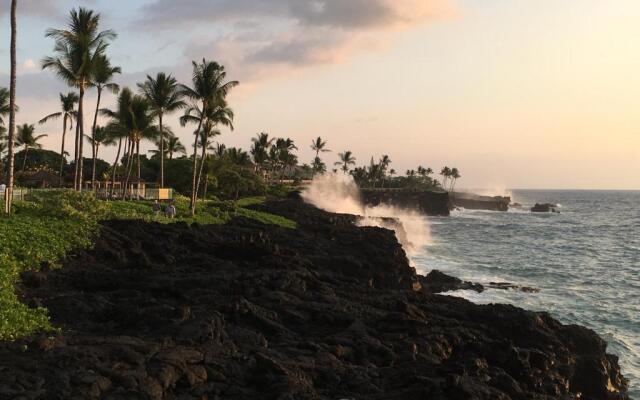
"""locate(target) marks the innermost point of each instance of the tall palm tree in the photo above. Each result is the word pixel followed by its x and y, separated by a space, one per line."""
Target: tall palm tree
pixel 346 159
pixel 209 89
pixel 455 175
pixel 26 138
pixel 208 119
pixel 68 113
pixel 164 96
pixel 141 128
pixel 445 172
pixel 119 128
pixel 77 50
pixel 318 145
pixel 8 193
pixel 132 120
pixel 101 78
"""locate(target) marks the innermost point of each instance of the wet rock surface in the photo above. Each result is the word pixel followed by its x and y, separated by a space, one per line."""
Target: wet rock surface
pixel 248 311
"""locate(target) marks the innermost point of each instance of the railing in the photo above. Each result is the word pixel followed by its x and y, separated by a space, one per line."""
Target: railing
pixel 20 194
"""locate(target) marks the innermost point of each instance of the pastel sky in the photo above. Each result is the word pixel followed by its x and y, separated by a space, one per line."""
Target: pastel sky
pixel 515 93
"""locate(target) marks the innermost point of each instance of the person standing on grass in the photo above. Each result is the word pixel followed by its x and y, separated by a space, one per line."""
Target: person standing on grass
pixel 157 207
pixel 170 211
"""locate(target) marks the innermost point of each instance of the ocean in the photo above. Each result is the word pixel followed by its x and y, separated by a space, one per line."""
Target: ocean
pixel 585 261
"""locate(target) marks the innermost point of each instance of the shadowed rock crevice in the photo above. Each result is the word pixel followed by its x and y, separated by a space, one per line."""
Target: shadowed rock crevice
pixel 250 311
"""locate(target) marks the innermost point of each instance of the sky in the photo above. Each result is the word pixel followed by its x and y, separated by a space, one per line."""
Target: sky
pixel 515 93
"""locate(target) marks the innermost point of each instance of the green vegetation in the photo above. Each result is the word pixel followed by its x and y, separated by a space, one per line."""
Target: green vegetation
pixel 45 228
pixel 42 231
pixel 211 212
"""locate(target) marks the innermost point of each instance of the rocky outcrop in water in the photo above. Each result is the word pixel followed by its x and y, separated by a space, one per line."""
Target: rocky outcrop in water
pixel 426 202
pixel 471 201
pixel 545 208
pixel 249 311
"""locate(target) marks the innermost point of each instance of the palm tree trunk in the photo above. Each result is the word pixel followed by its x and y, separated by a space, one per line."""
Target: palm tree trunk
pixel 94 146
pixel 75 159
pixel 129 168
pixel 64 133
pixel 138 159
pixel 204 153
pixel 194 194
pixel 161 151
pixel 81 137
pixel 12 110
pixel 115 167
pixel 24 159
pixel 127 152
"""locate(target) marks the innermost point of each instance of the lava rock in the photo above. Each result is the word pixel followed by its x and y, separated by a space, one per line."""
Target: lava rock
pixel 244 310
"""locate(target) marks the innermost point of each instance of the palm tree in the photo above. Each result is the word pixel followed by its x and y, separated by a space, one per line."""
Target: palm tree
pixel 77 50
pixel 8 193
pixel 208 119
pixel 346 159
pixel 4 104
pixel 318 145
pixel 173 146
pixel 132 120
pixel 238 156
pixel 164 97
pixel 101 137
pixel 209 89
pixel 445 172
pixel 118 128
pixel 68 113
pixel 284 155
pixel 260 146
pixel 101 79
pixel 455 175
pixel 318 166
pixel 27 139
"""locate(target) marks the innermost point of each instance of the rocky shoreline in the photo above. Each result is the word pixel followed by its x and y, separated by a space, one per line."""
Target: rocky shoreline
pixel 252 311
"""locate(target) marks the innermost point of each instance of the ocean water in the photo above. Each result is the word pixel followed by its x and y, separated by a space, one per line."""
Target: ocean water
pixel 585 261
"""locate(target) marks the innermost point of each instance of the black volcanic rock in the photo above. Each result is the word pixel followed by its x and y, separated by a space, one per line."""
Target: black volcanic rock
pixel 424 201
pixel 438 282
pixel 249 311
pixel 544 207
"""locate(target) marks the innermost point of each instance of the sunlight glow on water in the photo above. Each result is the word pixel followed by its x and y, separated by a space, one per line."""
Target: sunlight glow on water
pixel 586 261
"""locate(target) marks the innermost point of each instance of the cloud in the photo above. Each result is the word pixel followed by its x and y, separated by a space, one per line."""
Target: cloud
pixel 258 39
pixel 344 14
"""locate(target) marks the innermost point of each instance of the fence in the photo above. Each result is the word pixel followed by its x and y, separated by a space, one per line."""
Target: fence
pixel 20 194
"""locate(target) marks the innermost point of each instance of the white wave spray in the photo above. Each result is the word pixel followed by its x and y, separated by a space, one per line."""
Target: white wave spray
pixel 338 193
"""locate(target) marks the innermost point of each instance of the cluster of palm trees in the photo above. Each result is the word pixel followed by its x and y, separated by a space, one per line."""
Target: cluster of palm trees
pixel 273 157
pixel 79 59
pixel 449 177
